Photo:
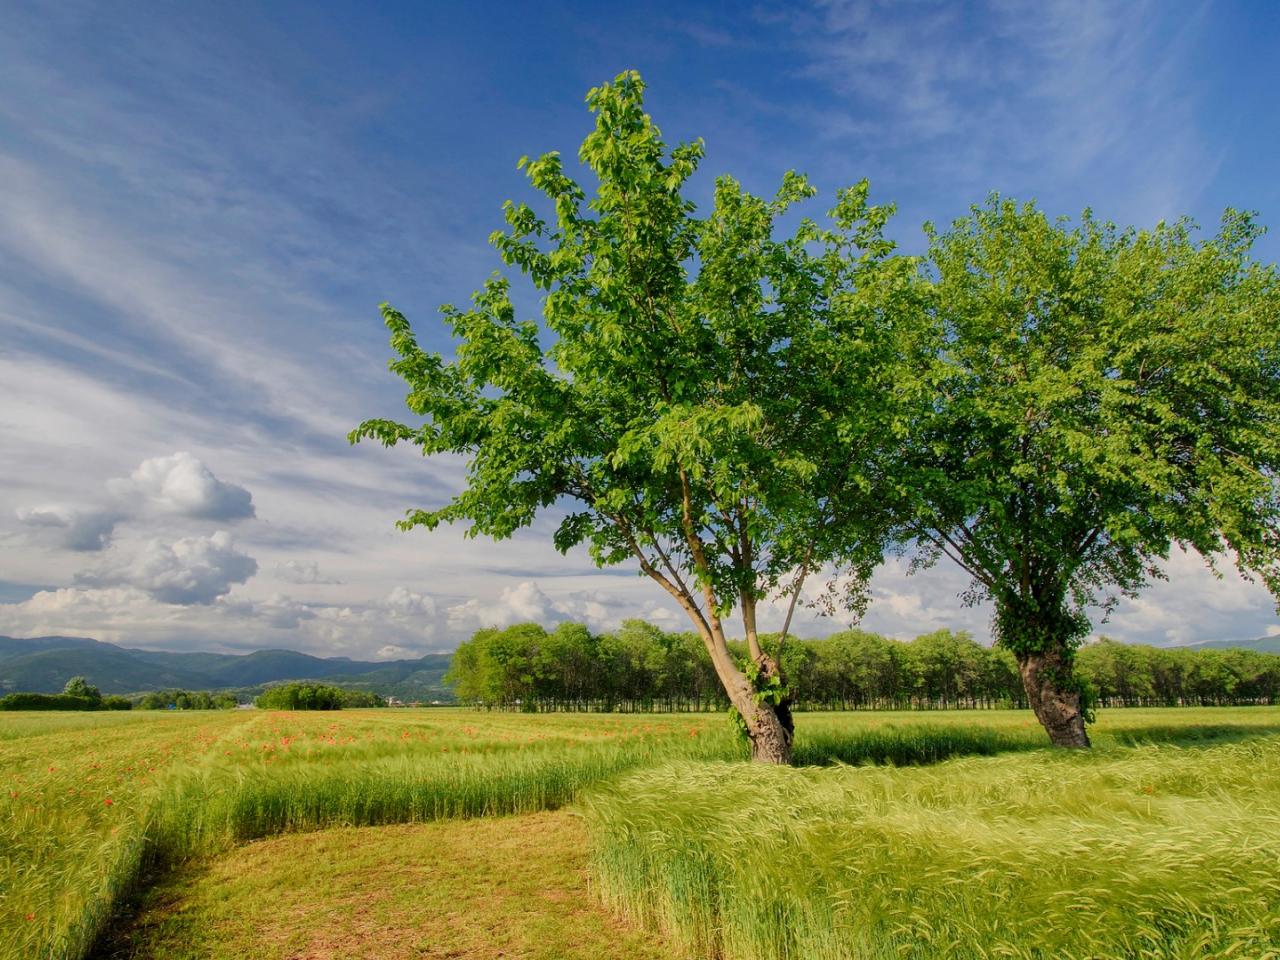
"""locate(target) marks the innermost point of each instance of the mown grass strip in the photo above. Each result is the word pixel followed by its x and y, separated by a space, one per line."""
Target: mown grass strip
pixel 474 890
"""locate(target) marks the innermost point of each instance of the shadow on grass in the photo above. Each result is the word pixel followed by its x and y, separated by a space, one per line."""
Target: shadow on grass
pixel 910 745
pixel 156 893
pixel 1195 735
pixel 923 744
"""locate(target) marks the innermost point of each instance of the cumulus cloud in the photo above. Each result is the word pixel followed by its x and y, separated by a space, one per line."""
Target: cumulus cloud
pixel 181 484
pixel 177 485
pixel 1193 605
pixel 116 614
pixel 277 611
pixel 527 602
pixel 79 530
pixel 522 603
pixel 74 601
pixel 192 570
pixel 300 571
pixel 403 602
pixel 399 625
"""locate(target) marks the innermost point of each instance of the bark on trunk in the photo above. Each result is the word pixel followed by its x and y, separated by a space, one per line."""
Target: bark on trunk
pixel 769 736
pixel 770 728
pixel 1047 679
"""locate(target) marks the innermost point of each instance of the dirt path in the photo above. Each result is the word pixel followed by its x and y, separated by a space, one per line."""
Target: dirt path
pixel 509 887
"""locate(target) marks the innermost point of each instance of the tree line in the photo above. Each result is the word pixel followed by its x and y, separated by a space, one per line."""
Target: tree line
pixel 642 667
pixel 177 699
pixel 77 694
pixel 315 696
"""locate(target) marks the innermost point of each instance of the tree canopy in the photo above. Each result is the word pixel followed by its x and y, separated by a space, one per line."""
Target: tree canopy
pixel 1097 396
pixel 701 397
pixel 736 408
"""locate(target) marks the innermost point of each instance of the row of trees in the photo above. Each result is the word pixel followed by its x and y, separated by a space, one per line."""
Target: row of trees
pixel 1124 675
pixel 186 700
pixel 316 696
pixel 641 667
pixel 742 401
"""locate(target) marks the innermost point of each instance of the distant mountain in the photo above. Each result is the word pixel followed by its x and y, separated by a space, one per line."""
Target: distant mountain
pixel 45 664
pixel 1263 644
pixel 11 645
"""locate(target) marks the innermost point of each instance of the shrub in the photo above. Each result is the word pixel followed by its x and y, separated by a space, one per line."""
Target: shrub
pixel 48 701
pixel 186 700
pixel 301 696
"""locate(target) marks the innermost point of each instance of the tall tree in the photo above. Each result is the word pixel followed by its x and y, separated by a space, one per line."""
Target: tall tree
pixel 1095 397
pixel 700 397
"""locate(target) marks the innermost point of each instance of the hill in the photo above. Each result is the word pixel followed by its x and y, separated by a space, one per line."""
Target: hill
pixel 45 664
pixel 1269 644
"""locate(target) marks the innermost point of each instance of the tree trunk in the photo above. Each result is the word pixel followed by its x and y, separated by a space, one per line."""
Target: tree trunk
pixel 770 728
pixel 1047 677
pixel 768 732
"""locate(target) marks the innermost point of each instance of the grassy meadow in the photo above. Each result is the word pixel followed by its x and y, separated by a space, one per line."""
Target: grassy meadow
pixel 90 806
pixel 906 835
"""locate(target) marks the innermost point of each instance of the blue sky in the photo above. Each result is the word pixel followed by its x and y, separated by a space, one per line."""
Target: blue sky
pixel 201 206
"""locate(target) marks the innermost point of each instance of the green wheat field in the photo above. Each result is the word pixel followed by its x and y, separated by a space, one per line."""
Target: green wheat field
pixel 947 834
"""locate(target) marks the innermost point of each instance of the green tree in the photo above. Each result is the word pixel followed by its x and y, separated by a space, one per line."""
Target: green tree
pixel 707 400
pixel 80 687
pixel 1095 397
pixel 301 696
pixel 360 698
pixel 466 672
pixel 563 665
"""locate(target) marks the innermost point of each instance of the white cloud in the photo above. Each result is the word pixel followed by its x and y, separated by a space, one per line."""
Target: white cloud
pixel 302 571
pixel 70 529
pixel 113 614
pixel 183 485
pixel 520 603
pixel 402 623
pixel 74 600
pixel 600 609
pixel 1193 605
pixel 178 485
pixel 402 602
pixel 278 611
pixel 192 570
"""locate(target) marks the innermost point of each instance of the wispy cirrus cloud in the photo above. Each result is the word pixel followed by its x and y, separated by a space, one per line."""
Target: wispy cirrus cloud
pixel 203 205
pixel 1023 97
